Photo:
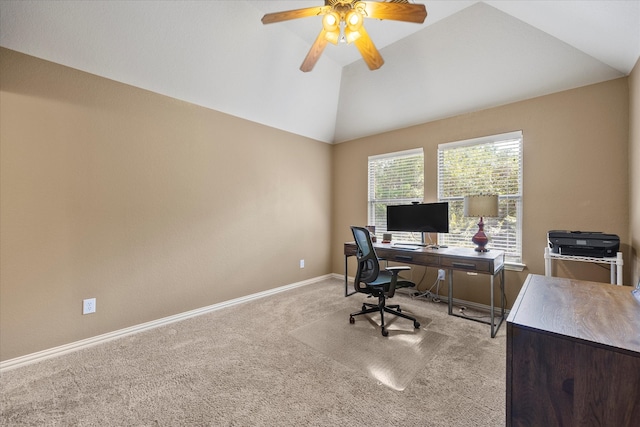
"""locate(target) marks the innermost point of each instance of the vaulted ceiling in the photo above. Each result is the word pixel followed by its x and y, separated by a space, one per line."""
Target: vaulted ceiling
pixel 467 56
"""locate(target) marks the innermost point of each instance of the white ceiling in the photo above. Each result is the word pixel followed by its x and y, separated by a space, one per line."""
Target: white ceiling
pixel 467 56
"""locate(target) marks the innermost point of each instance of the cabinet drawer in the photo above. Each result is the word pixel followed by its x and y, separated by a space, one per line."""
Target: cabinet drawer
pixel 481 266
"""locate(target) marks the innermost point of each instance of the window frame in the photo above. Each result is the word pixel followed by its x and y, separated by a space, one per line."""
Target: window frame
pixel 372 201
pixel 513 252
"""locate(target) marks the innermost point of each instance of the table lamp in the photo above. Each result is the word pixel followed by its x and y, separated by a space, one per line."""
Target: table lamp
pixel 483 205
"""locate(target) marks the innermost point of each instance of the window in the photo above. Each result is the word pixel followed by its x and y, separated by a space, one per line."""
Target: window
pixel 490 165
pixel 395 179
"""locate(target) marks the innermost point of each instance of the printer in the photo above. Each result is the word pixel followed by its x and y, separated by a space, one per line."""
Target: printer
pixel 583 243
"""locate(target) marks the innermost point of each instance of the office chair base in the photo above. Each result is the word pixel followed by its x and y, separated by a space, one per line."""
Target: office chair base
pixel 381 308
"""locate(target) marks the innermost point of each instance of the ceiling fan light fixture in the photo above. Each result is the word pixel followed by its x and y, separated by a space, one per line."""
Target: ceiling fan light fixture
pixel 354 20
pixel 352 36
pixel 331 27
pixel 331 22
pixel 343 20
pixel 332 36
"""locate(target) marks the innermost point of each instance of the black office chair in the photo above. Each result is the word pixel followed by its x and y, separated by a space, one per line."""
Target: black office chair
pixel 376 283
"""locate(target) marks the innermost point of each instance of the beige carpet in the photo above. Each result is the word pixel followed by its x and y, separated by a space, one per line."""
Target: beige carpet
pixel 393 360
pixel 242 366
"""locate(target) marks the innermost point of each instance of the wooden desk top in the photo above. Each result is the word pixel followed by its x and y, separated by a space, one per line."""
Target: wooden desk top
pixel 599 313
pixel 448 258
pixel 451 251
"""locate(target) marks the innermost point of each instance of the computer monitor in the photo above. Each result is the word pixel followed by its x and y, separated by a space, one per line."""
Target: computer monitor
pixel 419 217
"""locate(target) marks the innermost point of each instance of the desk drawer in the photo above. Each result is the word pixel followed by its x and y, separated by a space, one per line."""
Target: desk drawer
pixel 350 249
pixel 411 257
pixel 478 265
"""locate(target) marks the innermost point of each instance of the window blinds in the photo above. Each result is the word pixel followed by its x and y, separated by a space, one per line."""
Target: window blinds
pixel 491 165
pixel 394 178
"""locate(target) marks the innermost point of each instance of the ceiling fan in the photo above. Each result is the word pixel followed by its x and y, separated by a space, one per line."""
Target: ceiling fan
pixel 342 20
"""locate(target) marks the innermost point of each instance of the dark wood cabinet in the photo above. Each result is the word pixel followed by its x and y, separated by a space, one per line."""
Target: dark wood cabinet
pixel 573 355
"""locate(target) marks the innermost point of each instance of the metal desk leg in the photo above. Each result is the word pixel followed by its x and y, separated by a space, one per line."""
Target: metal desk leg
pixel 494 327
pixel 450 292
pixel 492 322
pixel 503 300
pixel 346 277
pixel 493 332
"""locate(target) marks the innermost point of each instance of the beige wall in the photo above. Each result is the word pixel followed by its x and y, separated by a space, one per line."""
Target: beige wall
pixel 151 205
pixel 575 174
pixel 155 206
pixel 634 170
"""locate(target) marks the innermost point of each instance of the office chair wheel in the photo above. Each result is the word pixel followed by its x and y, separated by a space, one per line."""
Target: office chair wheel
pixel 352 320
pixel 385 332
pixel 416 324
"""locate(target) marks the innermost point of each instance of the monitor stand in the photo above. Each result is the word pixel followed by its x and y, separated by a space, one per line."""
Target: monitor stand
pixel 430 244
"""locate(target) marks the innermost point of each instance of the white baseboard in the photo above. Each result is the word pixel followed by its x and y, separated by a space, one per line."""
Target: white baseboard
pixel 99 339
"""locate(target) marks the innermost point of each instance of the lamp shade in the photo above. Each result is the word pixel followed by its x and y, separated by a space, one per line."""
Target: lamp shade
pixel 483 205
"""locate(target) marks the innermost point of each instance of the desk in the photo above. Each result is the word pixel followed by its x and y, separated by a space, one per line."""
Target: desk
pixel 573 354
pixel 452 259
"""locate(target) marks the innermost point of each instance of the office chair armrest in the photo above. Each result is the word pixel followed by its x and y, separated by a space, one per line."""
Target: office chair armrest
pixel 395 270
pixel 398 268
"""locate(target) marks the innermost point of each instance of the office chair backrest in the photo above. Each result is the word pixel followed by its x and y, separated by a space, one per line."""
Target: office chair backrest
pixel 368 266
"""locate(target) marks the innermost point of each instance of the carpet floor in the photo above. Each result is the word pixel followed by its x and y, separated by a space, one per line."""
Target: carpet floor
pixel 393 360
pixel 289 359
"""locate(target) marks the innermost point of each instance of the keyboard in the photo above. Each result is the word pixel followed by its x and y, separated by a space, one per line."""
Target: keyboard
pixel 412 246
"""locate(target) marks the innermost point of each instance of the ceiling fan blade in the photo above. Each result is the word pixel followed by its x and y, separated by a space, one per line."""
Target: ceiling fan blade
pixel 270 18
pixel 395 11
pixel 314 53
pixel 368 50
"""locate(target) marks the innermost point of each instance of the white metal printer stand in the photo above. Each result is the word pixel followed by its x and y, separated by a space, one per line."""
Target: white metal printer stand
pixel 616 273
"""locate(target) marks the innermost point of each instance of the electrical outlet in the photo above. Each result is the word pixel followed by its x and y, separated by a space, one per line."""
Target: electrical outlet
pixel 441 274
pixel 301 263
pixel 88 306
